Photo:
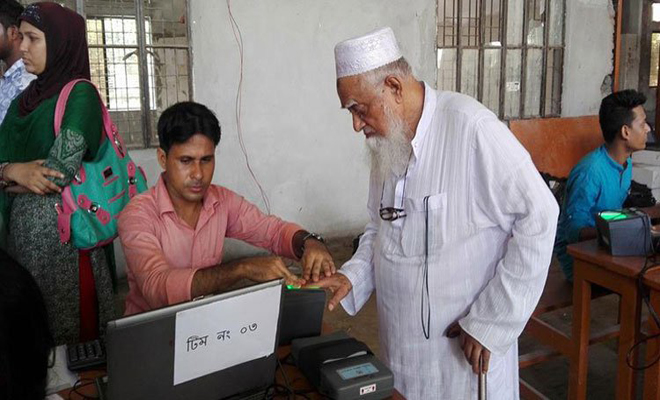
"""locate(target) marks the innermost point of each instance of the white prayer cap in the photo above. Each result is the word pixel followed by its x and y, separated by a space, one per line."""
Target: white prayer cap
pixel 365 53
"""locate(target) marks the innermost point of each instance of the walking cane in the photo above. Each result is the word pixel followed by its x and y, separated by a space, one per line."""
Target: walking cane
pixel 454 331
pixel 482 379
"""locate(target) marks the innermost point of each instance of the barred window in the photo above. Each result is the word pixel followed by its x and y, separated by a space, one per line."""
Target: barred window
pixel 654 26
pixel 508 54
pixel 655 50
pixel 140 69
pixel 115 69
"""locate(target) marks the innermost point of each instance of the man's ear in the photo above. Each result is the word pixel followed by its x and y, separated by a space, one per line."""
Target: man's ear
pixel 162 158
pixel 12 33
pixel 395 86
pixel 624 133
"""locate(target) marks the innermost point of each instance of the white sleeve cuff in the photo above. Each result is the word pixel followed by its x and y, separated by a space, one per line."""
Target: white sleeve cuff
pixel 363 284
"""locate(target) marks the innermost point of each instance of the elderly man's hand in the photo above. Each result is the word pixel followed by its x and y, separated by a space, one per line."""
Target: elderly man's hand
pixel 471 347
pixel 316 260
pixel 339 285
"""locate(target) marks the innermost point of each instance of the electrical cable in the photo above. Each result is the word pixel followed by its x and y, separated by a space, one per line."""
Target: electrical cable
pixel 286 389
pixel 79 385
pixel 426 328
pixel 286 380
pixel 287 359
pixel 239 103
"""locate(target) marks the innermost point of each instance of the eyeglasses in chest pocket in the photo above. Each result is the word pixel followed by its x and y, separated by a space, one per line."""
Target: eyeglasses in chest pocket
pixel 424 227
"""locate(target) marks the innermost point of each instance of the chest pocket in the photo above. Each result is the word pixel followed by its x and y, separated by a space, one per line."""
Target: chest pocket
pixel 423 214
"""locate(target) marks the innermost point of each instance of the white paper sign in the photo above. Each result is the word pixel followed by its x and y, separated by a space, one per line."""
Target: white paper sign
pixel 225 333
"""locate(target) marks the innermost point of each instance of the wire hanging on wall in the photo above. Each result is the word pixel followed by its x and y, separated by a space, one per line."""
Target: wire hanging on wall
pixel 239 41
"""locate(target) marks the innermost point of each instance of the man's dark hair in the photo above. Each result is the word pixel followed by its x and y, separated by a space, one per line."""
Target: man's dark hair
pixel 10 10
pixel 183 120
pixel 25 338
pixel 616 110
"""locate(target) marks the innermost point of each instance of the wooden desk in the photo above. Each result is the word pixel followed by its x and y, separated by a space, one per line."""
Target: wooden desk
pixel 594 265
pixel 295 378
pixel 652 375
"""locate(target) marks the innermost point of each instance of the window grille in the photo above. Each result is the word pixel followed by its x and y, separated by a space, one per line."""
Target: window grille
pixel 508 54
pixel 140 69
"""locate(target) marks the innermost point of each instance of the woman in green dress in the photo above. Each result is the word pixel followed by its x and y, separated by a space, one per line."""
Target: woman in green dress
pixel 35 165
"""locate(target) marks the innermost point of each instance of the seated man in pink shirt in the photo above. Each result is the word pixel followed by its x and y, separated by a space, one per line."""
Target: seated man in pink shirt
pixel 173 234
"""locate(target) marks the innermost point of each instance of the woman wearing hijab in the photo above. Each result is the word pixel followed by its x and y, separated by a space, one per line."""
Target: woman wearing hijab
pixel 34 166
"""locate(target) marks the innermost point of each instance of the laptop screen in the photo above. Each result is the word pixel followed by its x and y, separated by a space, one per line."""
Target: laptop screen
pixel 212 348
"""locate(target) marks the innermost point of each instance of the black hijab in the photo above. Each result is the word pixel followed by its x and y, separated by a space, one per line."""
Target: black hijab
pixel 67 57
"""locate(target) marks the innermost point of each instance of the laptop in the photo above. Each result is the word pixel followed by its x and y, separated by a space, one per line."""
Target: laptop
pixel 154 355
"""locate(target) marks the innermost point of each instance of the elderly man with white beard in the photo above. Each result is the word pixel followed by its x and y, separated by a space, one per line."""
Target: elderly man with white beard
pixel 460 234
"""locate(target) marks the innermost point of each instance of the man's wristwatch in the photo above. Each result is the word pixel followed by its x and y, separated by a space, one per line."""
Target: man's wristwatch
pixel 312 235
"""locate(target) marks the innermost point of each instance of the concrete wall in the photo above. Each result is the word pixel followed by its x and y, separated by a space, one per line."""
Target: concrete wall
pixel 301 144
pixel 588 62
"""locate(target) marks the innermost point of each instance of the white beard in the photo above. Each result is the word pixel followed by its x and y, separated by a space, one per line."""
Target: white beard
pixel 390 154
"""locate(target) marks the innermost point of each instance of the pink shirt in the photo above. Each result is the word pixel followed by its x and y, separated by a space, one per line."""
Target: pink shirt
pixel 163 252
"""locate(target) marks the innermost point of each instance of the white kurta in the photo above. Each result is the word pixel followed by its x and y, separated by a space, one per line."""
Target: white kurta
pixel 492 224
